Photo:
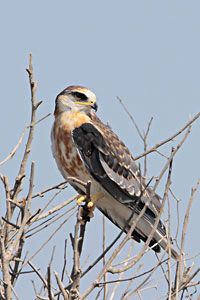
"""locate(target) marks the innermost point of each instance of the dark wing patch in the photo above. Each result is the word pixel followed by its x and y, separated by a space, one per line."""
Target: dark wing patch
pixel 109 162
pixel 111 158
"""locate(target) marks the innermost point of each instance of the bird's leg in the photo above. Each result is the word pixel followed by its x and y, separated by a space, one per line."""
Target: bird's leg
pixel 86 197
pixel 89 202
pixel 93 199
pixel 80 199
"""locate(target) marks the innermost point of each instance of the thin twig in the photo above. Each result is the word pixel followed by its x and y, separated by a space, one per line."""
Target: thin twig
pixel 5 268
pixel 104 259
pixel 132 277
pixel 131 117
pixel 50 294
pixel 65 260
pixel 53 210
pixel 42 119
pixel 38 273
pixel 145 145
pixel 64 292
pixel 10 223
pixel 171 157
pixel 14 150
pixel 83 216
pixel 20 236
pixel 77 249
pixel 35 105
pixel 179 271
pixel 154 148
pixel 61 185
pixel 49 238
pixel 107 249
pixel 8 216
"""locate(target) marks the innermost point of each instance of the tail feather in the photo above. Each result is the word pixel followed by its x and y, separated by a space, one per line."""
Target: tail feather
pixel 119 213
pixel 144 228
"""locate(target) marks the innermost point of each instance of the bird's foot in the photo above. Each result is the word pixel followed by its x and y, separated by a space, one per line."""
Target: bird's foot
pixel 89 203
pixel 80 199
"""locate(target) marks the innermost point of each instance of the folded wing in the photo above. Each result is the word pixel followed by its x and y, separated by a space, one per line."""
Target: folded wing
pixel 111 164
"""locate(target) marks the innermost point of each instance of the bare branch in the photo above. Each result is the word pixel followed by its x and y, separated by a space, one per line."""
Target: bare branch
pixel 133 277
pixel 49 238
pixel 171 157
pixel 64 292
pixel 61 185
pixel 35 105
pixel 53 210
pixel 19 238
pixel 180 281
pixel 14 150
pixel 5 269
pixel 50 294
pixel 77 242
pixel 104 260
pixel 145 145
pixel 8 208
pixel 154 148
pixel 131 117
pixel 38 273
pixel 187 215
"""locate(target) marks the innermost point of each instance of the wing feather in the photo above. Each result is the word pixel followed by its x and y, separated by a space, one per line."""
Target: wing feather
pixel 109 160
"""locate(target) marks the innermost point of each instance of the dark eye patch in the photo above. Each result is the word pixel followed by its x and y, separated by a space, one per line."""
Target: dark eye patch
pixel 80 96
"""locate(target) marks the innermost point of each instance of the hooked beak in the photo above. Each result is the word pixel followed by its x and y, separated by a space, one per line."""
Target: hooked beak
pixel 94 106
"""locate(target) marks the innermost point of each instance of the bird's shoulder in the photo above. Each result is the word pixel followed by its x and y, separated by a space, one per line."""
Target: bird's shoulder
pixel 117 148
pixel 70 120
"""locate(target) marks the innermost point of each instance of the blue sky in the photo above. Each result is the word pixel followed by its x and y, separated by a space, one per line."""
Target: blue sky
pixel 145 52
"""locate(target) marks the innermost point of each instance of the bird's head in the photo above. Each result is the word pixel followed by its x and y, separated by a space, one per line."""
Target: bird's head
pixel 76 98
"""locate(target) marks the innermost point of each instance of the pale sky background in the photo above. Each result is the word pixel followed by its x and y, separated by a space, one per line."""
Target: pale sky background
pixel 145 52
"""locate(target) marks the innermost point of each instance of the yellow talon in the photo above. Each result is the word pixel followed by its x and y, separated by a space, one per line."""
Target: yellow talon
pixel 91 208
pixel 90 204
pixel 80 200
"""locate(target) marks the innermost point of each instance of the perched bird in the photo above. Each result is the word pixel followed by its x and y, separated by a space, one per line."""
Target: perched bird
pixel 88 150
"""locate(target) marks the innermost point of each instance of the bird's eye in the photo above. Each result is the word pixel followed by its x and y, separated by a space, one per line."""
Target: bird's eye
pixel 80 96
